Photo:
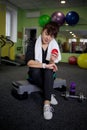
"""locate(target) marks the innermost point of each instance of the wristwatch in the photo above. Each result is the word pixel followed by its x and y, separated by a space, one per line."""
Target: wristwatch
pixel 43 65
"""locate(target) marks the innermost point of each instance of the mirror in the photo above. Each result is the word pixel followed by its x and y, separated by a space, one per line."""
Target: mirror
pixel 74 41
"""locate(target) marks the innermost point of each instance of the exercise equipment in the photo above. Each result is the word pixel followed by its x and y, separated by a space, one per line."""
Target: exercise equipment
pixel 54 52
pixel 72 60
pixel 80 97
pixel 22 88
pixel 82 60
pixel 58 17
pixel 72 18
pixel 7 59
pixel 44 19
pixel 2 43
pixel 72 89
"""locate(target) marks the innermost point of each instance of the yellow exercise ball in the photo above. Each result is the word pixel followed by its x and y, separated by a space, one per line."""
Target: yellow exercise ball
pixel 82 61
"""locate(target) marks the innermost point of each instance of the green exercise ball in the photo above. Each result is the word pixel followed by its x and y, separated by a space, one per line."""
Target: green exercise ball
pixel 44 19
pixel 82 61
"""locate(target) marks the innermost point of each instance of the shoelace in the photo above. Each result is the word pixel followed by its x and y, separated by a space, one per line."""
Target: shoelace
pixel 53 95
pixel 47 108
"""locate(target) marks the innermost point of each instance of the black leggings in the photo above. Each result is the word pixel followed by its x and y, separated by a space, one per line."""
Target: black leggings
pixel 43 78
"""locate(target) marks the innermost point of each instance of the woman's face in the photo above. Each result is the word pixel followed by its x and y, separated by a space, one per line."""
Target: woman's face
pixel 46 38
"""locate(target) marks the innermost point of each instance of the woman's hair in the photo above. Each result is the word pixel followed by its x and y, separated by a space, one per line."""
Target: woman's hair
pixel 52 28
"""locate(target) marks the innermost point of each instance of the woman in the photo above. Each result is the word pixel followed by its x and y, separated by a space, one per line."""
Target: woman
pixel 42 64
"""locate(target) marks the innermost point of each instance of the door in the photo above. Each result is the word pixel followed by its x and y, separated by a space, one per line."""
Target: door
pixel 28 33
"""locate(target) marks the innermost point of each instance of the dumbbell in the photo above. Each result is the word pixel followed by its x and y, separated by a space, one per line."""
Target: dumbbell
pixel 80 97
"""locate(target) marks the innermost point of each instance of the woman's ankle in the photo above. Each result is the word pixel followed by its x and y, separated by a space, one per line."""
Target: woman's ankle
pixel 46 102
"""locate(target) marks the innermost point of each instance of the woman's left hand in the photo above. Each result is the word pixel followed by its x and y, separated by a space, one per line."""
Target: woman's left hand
pixel 55 68
pixel 52 66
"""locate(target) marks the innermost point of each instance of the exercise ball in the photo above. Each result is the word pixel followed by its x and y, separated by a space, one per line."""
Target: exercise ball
pixel 72 18
pixel 82 60
pixel 44 19
pixel 72 60
pixel 54 52
pixel 58 17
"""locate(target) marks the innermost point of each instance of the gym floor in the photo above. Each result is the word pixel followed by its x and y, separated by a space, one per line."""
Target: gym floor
pixel 27 114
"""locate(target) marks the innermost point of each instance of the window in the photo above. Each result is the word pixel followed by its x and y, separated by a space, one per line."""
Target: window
pixel 8 24
pixel 11 23
pixel 83 40
pixel 72 40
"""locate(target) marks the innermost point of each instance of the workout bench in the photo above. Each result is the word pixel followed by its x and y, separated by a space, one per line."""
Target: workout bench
pixel 22 88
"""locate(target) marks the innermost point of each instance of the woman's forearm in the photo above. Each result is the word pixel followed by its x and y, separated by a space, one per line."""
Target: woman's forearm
pixel 36 64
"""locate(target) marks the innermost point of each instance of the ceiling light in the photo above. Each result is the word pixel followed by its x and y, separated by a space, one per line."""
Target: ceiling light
pixel 70 32
pixel 63 1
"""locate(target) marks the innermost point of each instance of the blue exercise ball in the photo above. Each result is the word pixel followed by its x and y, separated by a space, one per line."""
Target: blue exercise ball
pixel 58 17
pixel 72 18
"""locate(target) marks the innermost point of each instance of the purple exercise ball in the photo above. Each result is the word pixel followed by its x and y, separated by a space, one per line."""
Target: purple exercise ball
pixel 58 17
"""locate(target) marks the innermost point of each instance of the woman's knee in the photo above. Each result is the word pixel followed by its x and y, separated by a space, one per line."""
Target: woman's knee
pixel 36 77
pixel 35 73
